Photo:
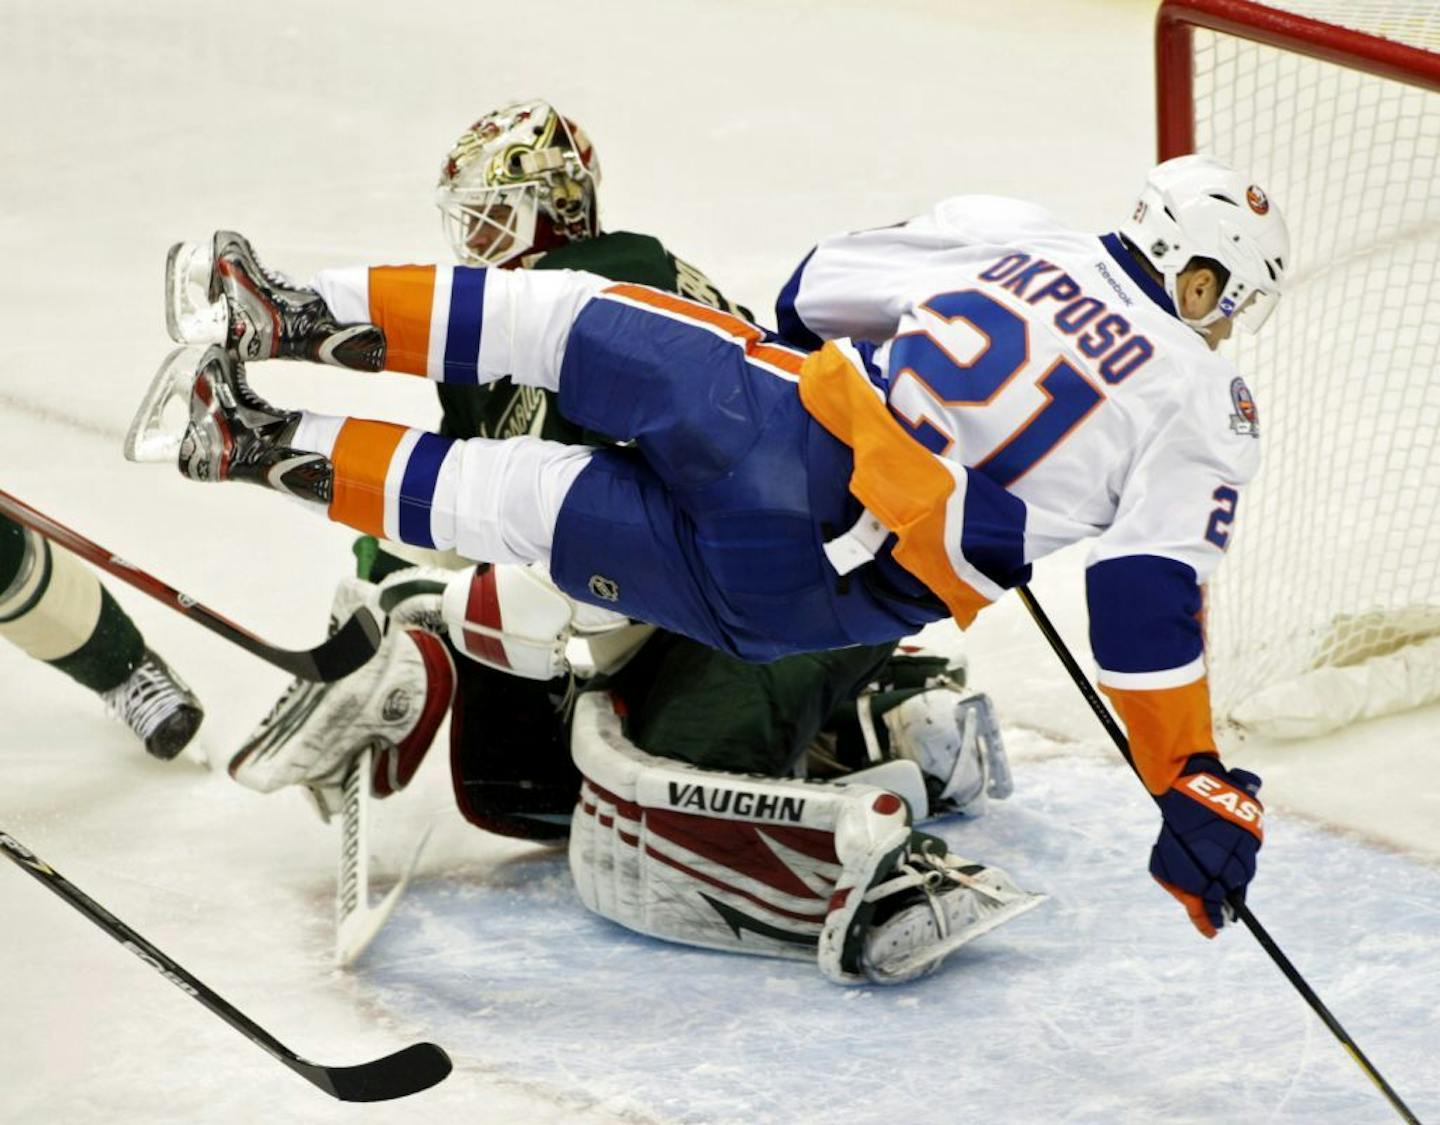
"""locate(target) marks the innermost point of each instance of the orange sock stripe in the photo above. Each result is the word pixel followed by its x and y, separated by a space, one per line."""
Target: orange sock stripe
pixel 400 301
pixel 742 330
pixel 363 451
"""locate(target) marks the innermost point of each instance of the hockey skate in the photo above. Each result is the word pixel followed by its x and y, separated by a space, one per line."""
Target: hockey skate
pixel 930 904
pixel 221 293
pixel 155 703
pixel 902 902
pixel 231 432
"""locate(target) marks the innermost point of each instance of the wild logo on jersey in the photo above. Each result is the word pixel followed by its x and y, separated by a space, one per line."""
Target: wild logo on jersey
pixel 1246 419
pixel 524 414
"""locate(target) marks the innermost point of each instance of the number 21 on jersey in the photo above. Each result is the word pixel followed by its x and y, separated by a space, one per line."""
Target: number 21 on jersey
pixel 945 380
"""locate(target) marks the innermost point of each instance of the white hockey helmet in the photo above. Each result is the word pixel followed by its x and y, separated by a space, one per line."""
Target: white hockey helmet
pixel 521 180
pixel 1196 207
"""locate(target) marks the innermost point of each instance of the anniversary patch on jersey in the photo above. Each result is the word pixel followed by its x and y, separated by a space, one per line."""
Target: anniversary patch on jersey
pixel 1246 419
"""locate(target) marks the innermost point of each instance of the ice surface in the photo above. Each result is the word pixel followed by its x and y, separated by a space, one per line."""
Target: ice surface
pixel 1094 1008
pixel 739 132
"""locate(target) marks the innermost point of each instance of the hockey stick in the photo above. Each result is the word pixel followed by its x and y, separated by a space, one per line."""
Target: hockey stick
pixel 1235 901
pixel 356 921
pixel 416 1068
pixel 349 647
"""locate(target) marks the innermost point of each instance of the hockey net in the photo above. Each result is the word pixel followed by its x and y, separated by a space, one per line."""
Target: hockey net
pixel 1328 608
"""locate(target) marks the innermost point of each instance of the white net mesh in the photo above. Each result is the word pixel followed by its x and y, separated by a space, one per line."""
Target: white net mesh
pixel 1336 556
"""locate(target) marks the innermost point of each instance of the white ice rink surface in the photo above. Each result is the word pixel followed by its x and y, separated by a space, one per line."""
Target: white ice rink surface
pixel 739 132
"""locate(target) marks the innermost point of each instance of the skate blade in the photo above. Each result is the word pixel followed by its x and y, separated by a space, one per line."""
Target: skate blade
pixel 191 317
pixel 153 437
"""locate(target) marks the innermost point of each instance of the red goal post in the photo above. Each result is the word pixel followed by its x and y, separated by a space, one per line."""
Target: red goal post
pixel 1174 53
pixel 1327 610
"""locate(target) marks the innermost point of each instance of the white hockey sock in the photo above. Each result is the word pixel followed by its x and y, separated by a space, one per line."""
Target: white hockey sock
pixel 508 496
pixel 316 433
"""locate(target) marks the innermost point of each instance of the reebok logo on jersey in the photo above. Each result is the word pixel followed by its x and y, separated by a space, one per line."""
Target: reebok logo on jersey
pixel 1224 799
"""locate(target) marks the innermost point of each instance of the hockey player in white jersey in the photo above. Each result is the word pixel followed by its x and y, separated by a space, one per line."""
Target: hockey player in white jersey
pixel 996 387
pixel 514 718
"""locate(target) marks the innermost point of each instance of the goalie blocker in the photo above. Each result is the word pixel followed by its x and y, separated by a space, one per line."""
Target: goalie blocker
pixel 824 870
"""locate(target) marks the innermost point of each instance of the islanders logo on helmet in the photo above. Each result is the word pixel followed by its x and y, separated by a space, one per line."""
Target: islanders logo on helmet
pixel 1246 419
pixel 1258 200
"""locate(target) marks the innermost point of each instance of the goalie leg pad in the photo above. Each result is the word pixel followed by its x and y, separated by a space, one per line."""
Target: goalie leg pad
pixel 718 860
pixel 765 866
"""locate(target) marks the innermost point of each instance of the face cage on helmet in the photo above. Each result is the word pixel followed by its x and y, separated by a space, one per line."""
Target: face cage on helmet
pixel 468 216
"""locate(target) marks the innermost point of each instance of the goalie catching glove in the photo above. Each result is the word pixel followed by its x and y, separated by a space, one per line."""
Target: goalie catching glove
pixel 395 704
pixel 1213 827
pixel 511 618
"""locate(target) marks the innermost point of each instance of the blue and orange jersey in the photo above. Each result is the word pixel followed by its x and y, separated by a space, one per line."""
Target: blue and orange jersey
pixel 1010 387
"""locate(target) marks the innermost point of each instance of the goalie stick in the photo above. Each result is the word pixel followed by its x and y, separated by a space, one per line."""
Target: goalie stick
pixel 344 651
pixel 356 921
pixel 1235 901
pixel 407 1071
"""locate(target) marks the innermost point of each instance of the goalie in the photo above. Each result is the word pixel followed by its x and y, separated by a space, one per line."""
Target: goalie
pixel 740 861
pixel 518 189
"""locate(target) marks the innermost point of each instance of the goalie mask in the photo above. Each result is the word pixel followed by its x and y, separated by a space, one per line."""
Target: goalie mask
pixel 1196 207
pixel 519 181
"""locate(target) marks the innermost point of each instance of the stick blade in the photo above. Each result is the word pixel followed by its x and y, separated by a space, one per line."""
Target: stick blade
pixel 406 1072
pixel 343 652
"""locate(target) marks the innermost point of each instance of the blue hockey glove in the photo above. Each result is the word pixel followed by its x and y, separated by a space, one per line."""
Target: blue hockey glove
pixel 1213 827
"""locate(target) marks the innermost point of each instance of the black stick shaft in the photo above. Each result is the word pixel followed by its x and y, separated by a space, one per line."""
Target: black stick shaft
pixel 1267 943
pixel 342 653
pixel 406 1072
